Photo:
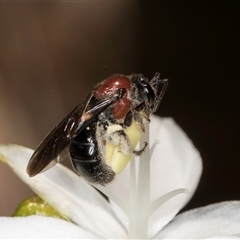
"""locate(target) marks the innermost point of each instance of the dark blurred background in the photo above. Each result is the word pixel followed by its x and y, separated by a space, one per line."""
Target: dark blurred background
pixel 53 53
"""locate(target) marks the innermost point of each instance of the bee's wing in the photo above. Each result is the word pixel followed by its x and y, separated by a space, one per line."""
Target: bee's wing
pixel 48 153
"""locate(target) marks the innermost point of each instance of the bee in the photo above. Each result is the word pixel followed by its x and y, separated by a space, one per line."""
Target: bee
pixel 100 134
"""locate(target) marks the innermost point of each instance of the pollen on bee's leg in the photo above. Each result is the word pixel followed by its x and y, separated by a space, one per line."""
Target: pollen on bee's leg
pixel 109 152
pixel 115 157
pixel 119 160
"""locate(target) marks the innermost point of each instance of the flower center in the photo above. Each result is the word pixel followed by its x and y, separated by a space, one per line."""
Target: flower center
pixel 139 208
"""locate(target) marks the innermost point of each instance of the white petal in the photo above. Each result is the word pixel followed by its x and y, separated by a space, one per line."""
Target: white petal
pixel 219 219
pixel 175 164
pixel 223 237
pixel 33 227
pixel 67 193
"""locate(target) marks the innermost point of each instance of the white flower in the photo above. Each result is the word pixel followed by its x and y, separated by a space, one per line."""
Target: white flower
pixel 175 165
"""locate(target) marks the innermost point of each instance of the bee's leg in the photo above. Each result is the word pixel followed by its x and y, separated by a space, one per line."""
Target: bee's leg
pixel 116 133
pixel 139 152
pixel 119 138
pixel 135 116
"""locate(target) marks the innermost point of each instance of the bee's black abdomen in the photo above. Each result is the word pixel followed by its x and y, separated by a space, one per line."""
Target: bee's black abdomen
pixel 85 157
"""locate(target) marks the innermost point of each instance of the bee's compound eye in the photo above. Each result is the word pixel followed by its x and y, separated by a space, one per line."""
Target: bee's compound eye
pixel 150 95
